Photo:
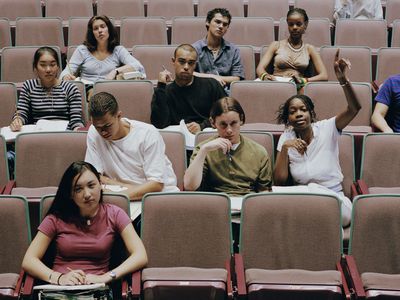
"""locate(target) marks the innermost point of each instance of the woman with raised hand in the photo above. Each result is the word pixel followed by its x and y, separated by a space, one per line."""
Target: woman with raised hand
pixel 292 57
pixel 84 229
pixel 47 97
pixel 308 151
pixel 100 57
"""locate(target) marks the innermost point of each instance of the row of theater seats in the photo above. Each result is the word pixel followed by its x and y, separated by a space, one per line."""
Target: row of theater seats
pixel 16 62
pixel 290 246
pixel 170 8
pixel 255 31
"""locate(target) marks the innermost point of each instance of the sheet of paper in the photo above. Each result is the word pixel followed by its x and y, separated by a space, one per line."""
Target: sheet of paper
pixel 41 125
pixel 136 209
pixel 55 287
pixel 114 188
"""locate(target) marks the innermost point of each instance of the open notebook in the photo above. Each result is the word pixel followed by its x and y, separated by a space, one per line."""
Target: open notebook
pixel 41 125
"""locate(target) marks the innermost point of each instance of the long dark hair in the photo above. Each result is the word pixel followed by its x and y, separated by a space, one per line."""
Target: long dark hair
pixel 91 42
pixel 63 206
pixel 283 111
pixel 42 50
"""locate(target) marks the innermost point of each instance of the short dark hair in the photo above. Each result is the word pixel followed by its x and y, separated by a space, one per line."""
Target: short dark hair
pixel 283 112
pixel 102 103
pixel 41 51
pixel 63 206
pixel 186 47
pixel 91 42
pixel 224 105
pixel 223 11
pixel 298 10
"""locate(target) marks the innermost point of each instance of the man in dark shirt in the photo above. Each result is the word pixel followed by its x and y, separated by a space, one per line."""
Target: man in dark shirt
pixel 187 97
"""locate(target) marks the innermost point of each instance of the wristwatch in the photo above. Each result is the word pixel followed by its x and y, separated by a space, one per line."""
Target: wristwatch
pixel 113 275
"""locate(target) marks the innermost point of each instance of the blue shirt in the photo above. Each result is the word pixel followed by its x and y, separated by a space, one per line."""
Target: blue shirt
pixel 227 63
pixel 389 94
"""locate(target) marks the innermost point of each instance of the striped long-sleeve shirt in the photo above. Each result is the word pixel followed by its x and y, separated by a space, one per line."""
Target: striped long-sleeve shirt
pixel 61 102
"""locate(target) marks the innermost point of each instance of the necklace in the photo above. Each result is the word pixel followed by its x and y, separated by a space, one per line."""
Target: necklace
pixel 214 51
pixel 293 47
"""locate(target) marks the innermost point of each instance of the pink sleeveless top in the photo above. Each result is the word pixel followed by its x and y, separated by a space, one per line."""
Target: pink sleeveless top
pixel 289 61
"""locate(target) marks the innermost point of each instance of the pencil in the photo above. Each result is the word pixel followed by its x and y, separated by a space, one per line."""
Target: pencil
pixel 69 68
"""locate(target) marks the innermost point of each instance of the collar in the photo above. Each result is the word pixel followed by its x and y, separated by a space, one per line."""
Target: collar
pixel 224 43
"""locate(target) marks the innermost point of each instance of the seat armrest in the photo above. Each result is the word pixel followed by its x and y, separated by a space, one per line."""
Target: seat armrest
pixel 27 289
pixel 348 291
pixel 362 187
pixel 9 186
pixel 124 288
pixel 352 276
pixel 2 188
pixel 18 286
pixel 374 86
pixel 228 267
pixel 136 284
pixel 354 190
pixel 240 276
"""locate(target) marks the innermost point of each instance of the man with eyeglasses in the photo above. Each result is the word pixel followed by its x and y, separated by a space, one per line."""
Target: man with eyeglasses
pixel 218 58
pixel 129 154
pixel 186 97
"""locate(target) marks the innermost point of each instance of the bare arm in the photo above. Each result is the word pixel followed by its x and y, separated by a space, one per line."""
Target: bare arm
pixel 266 60
pixel 137 257
pixel 353 104
pixel 378 117
pixel 322 74
pixel 194 173
pixel 135 191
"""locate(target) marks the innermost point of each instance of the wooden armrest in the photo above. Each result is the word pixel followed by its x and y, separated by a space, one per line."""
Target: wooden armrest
pixel 18 286
pixel 375 86
pixel 9 186
pixel 2 188
pixel 228 267
pixel 348 291
pixel 27 289
pixel 353 276
pixel 362 187
pixel 353 190
pixel 240 277
pixel 136 284
pixel 124 288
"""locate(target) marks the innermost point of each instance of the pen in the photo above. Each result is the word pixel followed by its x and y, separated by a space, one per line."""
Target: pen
pixel 69 68
pixel 229 156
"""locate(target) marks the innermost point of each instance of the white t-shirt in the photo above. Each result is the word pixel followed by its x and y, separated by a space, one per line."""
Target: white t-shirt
pixel 358 9
pixel 320 163
pixel 136 158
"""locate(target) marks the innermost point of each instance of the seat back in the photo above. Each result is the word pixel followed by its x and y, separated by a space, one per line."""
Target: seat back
pixel 388 63
pixel 143 31
pixel 262 8
pixel 4 176
pixel 8 102
pixel 346 161
pixel 169 8
pixel 70 51
pixel 235 7
pixel 81 87
pixel 265 139
pixel 133 97
pixel 16 63
pixel 318 32
pixel 290 231
pixel 71 8
pixel 261 100
pixel 39 31
pixel 360 58
pixel 175 227
pixel 392 11
pixel 380 160
pixel 154 57
pixel 41 158
pixel 187 30
pixel 396 33
pixel 5 33
pixel 241 31
pixel 15 233
pixel 176 152
pixel 120 8
pixel 321 8
pixel 248 61
pixel 329 100
pixel 77 27
pixel 375 228
pixel 12 9
pixel 355 32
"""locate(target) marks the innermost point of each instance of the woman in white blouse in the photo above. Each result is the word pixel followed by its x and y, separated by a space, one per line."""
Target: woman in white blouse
pixel 100 57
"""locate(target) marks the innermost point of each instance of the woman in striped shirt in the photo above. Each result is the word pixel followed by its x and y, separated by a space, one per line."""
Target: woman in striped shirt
pixel 47 97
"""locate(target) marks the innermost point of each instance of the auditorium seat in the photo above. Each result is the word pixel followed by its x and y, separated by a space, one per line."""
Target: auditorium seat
pixel 187 237
pixel 170 8
pixel 4 175
pixel 39 31
pixel 11 9
pixel 187 30
pixel 318 32
pixel 396 33
pixel 248 61
pixel 118 9
pixel 374 251
pixel 133 96
pixel 262 8
pixel 290 245
pixel 82 89
pixel 360 59
pixel 67 9
pixel 392 11
pixel 235 7
pixel 15 236
pixel 77 27
pixel 8 102
pixel 388 63
pixel 329 100
pixel 319 9
pixel 5 33
pixel 143 31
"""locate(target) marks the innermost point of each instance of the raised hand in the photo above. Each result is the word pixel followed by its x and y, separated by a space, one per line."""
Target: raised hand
pixel 340 66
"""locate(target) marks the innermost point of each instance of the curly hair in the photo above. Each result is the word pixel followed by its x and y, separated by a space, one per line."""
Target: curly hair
pixel 283 111
pixel 91 42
